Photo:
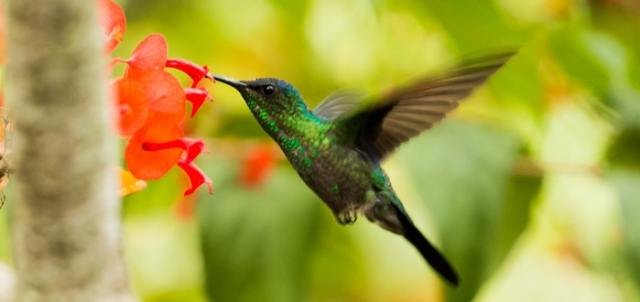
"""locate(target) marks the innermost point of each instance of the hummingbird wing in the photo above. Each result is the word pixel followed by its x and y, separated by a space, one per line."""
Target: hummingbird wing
pixel 338 103
pixel 405 112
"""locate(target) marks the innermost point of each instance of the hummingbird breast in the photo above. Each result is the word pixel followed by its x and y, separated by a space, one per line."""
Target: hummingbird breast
pixel 339 175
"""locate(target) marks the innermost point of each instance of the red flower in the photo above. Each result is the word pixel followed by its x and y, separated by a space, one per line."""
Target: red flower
pixel 257 165
pixel 158 141
pixel 151 104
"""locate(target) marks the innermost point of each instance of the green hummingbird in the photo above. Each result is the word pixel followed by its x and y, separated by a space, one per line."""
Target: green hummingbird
pixel 337 147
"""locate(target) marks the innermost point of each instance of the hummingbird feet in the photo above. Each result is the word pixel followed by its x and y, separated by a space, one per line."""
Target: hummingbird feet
pixel 347 216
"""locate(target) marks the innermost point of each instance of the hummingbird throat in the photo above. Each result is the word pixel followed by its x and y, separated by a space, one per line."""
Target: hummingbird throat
pixel 293 128
pixel 280 124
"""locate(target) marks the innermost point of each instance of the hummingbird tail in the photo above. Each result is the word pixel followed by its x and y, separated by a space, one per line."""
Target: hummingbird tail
pixel 426 249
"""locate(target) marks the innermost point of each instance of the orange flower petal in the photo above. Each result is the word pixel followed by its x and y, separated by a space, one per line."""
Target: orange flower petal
pixel 153 164
pixel 258 165
pixel 113 23
pixel 166 96
pixel 149 55
pixel 132 105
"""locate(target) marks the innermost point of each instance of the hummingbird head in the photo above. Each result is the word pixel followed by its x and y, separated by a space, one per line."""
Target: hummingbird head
pixel 273 95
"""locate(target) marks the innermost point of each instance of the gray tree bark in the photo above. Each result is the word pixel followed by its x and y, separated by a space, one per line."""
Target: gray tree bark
pixel 66 229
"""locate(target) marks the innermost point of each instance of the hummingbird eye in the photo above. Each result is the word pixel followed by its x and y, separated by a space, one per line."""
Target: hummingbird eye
pixel 268 90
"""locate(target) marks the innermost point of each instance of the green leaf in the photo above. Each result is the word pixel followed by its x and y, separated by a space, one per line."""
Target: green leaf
pixel 473 25
pixel 627 185
pixel 573 48
pixel 258 244
pixel 624 174
pixel 602 64
pixel 625 150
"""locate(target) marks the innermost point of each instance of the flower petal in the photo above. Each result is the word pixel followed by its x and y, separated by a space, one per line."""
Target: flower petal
pixel 166 96
pixel 192 147
pixel 149 55
pixel 196 177
pixel 129 184
pixel 113 23
pixel 258 165
pixel 145 164
pixel 132 105
pixel 196 96
pixel 194 71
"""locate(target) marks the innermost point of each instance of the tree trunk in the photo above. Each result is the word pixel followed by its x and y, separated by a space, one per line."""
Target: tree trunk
pixel 7 283
pixel 66 226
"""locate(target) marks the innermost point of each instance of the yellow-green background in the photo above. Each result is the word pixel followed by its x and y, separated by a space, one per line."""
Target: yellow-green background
pixel 532 188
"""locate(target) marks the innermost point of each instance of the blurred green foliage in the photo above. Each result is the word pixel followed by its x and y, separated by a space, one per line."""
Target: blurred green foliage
pixel 491 205
pixel 532 188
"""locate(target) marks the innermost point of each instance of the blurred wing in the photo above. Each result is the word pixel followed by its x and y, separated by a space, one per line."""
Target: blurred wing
pixel 337 104
pixel 404 113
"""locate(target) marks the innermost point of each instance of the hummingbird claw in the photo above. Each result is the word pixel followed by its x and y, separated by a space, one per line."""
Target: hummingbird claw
pixel 348 216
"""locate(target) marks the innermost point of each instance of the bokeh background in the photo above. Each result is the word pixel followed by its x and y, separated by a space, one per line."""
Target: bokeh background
pixel 531 188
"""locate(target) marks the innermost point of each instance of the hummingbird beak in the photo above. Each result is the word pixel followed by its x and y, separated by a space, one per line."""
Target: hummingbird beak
pixel 229 81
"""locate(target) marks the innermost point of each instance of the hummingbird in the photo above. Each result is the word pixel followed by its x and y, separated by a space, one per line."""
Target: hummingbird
pixel 337 147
